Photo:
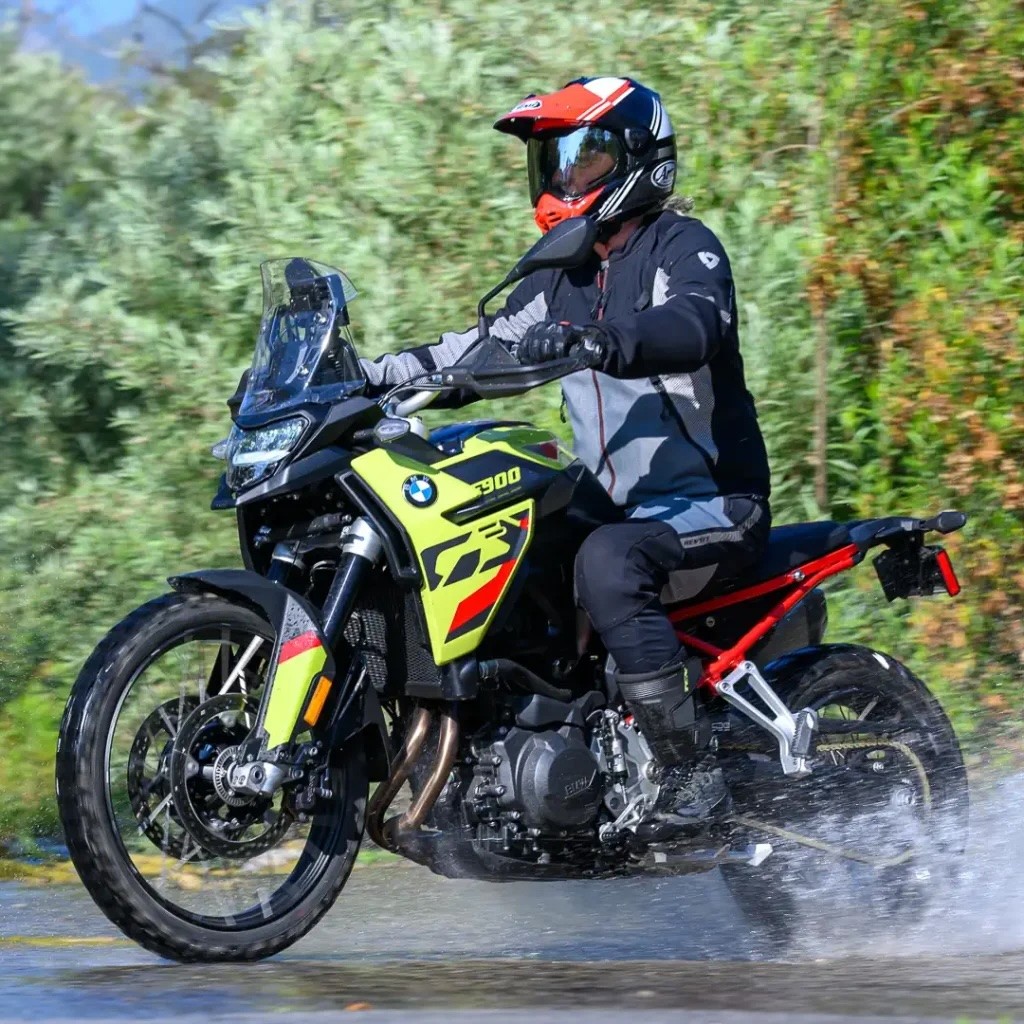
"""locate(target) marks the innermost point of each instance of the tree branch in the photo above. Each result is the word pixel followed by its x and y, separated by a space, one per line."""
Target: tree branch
pixel 174 22
pixel 207 11
pixel 26 15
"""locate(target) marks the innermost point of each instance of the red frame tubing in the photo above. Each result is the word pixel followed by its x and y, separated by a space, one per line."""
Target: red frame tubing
pixel 799 582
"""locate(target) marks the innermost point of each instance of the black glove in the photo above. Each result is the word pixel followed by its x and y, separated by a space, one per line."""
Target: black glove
pixel 547 341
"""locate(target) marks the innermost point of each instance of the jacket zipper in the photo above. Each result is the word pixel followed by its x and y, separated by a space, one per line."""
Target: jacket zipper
pixel 602 301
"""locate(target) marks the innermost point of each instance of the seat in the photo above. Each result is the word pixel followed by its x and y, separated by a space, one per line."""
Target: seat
pixel 788 547
pixel 791 546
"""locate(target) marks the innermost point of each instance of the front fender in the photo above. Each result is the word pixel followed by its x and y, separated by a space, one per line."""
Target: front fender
pixel 300 659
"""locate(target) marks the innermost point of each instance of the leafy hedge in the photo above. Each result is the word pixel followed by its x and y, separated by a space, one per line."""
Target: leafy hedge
pixel 863 163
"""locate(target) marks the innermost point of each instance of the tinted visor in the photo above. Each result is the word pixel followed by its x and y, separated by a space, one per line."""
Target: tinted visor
pixel 571 164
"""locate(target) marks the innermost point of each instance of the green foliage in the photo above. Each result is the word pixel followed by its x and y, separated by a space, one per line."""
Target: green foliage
pixel 863 164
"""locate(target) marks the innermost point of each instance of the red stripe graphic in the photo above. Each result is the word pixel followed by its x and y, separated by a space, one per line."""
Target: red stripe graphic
pixel 481 600
pixel 298 645
pixel 595 113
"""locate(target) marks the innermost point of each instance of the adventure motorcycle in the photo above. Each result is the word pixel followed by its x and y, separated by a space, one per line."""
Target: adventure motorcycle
pixel 412 589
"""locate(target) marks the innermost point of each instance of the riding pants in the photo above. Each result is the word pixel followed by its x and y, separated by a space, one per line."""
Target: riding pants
pixel 669 551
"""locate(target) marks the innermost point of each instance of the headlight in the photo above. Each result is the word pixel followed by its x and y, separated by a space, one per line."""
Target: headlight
pixel 253 455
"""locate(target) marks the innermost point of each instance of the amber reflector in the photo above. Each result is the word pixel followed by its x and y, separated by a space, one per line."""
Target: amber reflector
pixel 316 703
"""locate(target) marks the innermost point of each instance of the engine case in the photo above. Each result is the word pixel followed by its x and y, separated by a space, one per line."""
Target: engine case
pixel 543 779
pixel 552 778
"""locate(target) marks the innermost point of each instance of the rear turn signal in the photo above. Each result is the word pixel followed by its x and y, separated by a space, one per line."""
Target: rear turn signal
pixel 316 702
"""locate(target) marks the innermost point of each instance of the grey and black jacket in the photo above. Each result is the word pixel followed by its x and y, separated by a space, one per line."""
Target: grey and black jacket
pixel 668 417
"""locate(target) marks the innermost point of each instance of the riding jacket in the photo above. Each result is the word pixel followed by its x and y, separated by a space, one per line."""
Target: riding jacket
pixel 668 417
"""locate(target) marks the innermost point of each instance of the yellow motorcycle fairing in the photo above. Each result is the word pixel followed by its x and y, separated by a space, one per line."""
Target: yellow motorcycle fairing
pixel 470 519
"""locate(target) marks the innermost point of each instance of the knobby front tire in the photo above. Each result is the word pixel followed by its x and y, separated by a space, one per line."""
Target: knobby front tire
pixel 105 851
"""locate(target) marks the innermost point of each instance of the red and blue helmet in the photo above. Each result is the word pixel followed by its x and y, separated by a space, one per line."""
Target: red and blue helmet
pixel 601 146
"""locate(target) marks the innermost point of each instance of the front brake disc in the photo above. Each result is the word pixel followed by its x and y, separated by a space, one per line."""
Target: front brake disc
pixel 223 823
pixel 149 793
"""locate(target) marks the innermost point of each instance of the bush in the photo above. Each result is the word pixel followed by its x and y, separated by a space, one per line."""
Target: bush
pixel 863 164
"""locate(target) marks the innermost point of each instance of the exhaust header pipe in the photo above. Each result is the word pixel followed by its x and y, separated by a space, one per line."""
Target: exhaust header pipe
pixel 389 835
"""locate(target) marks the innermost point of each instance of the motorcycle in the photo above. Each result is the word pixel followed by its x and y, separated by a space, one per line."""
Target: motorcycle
pixel 406 616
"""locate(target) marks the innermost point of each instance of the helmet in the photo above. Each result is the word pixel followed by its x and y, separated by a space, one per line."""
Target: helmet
pixel 602 146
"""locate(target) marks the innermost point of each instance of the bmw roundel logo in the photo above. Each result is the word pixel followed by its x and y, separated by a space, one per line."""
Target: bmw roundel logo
pixel 420 491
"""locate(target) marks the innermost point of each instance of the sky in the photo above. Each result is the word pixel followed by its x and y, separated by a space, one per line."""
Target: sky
pixel 92 33
pixel 86 16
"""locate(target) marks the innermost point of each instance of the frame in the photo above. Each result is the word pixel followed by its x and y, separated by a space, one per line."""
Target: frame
pixel 796 583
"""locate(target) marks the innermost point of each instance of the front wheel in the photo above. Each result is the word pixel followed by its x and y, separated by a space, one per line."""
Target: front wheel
pixel 882 822
pixel 173 857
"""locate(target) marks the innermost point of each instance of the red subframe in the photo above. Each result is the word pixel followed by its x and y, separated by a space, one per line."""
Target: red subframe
pixel 802 580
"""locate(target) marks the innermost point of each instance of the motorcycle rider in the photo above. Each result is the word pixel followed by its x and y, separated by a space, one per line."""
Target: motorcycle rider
pixel 663 416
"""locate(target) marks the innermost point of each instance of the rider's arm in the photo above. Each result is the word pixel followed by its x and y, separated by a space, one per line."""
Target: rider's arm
pixel 526 305
pixel 694 306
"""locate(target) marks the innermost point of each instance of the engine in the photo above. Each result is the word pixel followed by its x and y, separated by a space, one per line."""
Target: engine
pixel 538 778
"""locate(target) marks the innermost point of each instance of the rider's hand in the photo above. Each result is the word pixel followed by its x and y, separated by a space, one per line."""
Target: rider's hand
pixel 547 341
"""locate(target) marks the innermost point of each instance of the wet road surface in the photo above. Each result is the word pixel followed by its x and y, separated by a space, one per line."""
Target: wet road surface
pixel 402 940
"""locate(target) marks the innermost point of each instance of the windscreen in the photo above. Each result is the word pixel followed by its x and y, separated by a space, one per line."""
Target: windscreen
pixel 304 352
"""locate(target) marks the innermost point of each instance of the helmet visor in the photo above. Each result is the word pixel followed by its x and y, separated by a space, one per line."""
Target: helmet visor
pixel 571 164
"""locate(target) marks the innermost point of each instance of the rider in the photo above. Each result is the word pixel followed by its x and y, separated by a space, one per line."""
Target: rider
pixel 663 415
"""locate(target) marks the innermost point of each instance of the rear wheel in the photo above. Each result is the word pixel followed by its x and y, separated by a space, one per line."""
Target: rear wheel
pixel 881 823
pixel 170 853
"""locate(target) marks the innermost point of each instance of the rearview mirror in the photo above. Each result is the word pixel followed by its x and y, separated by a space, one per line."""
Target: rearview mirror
pixel 566 245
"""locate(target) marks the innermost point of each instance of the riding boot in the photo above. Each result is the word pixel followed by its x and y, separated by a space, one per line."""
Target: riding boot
pixel 692 788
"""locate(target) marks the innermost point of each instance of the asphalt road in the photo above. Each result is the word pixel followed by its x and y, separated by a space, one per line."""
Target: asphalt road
pixel 402 944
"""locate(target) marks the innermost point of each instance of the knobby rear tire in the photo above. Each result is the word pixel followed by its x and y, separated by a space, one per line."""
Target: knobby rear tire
pixel 93 841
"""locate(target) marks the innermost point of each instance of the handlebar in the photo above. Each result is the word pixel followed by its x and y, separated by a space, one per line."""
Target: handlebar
pixel 415 402
pixel 487 382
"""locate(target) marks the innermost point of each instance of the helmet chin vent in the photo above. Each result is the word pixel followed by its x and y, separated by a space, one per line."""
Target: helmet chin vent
pixel 551 211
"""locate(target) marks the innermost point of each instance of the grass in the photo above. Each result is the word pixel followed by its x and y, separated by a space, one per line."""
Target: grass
pixel 60 870
pixel 28 729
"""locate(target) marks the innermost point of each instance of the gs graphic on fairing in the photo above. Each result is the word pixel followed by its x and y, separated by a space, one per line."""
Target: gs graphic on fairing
pixel 406 615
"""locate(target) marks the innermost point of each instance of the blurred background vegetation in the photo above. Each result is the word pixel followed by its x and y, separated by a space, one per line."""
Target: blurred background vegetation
pixel 863 163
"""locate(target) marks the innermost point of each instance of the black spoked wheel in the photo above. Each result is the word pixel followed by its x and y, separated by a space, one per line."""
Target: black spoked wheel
pixel 172 855
pixel 871 836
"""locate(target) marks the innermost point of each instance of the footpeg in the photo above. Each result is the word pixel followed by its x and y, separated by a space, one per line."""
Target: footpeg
pixel 794 731
pixel 682 860
pixel 806 728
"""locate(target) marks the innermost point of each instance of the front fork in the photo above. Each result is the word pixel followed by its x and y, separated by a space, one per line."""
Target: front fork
pixel 360 552
pixel 302 673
